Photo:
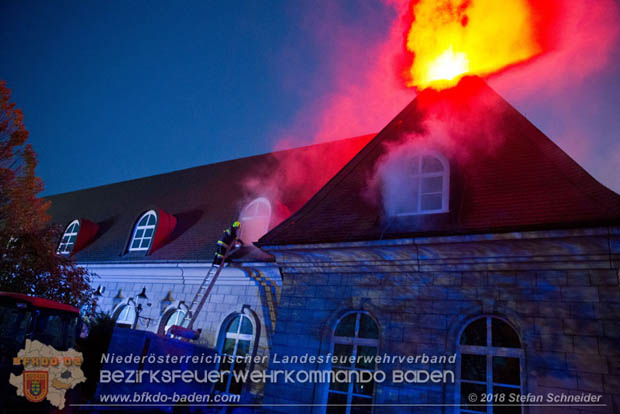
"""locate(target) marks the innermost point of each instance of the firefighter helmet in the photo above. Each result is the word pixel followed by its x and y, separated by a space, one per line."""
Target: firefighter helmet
pixel 236 224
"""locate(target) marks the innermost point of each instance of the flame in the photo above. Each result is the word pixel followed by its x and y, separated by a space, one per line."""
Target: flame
pixel 449 39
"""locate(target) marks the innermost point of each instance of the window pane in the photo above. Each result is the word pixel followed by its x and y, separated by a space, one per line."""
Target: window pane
pixel 432 184
pixel 340 400
pixel 343 353
pixel 415 166
pixel 243 347
pixel 366 357
pixel 431 164
pixel 346 327
pixel 143 221
pixel 139 233
pixel 251 210
pixel 415 186
pixel 430 202
pixel 475 333
pixel 221 386
pixel 502 408
pixel 503 335
pixel 235 386
pixel 365 408
pixel 241 365
pixel 178 316
pixel 477 389
pixel 135 244
pixel 246 326
pixel 152 220
pixel 225 366
pixel 368 327
pixel 474 367
pixel 229 346
pixel 336 385
pixel 262 209
pixel 364 388
pixel 148 232
pixel 506 370
pixel 174 319
pixel 234 325
pixel 145 243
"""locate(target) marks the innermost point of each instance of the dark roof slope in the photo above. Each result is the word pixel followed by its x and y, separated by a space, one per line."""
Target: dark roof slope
pixel 505 175
pixel 204 200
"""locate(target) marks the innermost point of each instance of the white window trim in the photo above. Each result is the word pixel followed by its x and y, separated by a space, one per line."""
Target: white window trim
pixel 237 336
pixel 445 186
pixel 355 341
pixel 178 321
pixel 123 308
pixel 144 228
pixel 244 216
pixel 71 230
pixel 489 351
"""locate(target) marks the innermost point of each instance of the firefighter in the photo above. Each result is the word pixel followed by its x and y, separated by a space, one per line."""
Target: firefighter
pixel 229 235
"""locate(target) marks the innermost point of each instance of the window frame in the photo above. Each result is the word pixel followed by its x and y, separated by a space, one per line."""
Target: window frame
pixel 168 316
pixel 121 308
pixel 419 176
pixel 237 336
pixel 355 341
pixel 62 246
pixel 243 218
pixel 143 228
pixel 488 351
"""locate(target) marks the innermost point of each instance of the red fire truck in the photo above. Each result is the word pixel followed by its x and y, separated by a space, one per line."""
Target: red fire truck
pixel 26 317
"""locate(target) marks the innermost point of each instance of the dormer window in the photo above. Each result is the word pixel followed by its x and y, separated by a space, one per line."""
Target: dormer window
pixel 255 219
pixel 143 232
pixel 68 238
pixel 419 184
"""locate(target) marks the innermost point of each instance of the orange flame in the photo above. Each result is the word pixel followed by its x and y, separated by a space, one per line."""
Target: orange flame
pixel 449 39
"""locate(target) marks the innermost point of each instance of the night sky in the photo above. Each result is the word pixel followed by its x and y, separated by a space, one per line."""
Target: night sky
pixel 115 90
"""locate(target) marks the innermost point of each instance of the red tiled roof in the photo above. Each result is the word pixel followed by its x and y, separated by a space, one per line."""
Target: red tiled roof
pixel 506 175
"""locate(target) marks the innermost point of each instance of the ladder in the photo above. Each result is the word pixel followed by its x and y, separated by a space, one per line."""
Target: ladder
pixel 205 288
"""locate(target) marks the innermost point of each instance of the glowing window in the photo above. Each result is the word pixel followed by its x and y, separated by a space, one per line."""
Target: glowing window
pixel 237 343
pixel 425 186
pixel 143 232
pixel 175 318
pixel 255 219
pixel 68 238
pixel 490 361
pixel 127 316
pixel 356 335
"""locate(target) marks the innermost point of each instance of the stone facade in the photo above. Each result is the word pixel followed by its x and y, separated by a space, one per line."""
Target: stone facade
pixel 558 289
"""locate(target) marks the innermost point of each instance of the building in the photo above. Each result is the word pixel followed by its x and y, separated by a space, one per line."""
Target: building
pixel 158 235
pixel 459 230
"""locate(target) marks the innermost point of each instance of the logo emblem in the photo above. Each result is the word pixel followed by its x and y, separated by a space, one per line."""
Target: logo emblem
pixel 35 385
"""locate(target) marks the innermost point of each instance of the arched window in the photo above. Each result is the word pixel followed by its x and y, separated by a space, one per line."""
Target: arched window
pixel 490 362
pixel 175 317
pixel 356 336
pixel 255 219
pixel 424 187
pixel 68 238
pixel 143 232
pixel 126 316
pixel 238 338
